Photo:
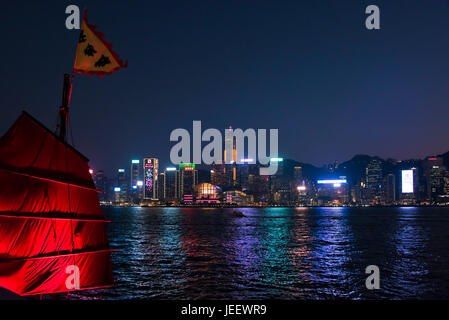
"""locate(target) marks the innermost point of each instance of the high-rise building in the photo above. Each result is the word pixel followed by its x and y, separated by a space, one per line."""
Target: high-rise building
pixel 122 183
pixel 356 194
pixel 136 182
pixel 374 181
pixel 389 189
pixel 434 173
pixel 233 157
pixel 280 184
pixel 218 175
pixel 151 176
pixel 243 172
pixel 231 166
pixel 170 181
pixel 258 186
pixel 297 175
pixel 188 179
pixel 135 172
pixel 409 190
pixel 161 186
pixel 118 198
pixel 445 196
pixel 299 188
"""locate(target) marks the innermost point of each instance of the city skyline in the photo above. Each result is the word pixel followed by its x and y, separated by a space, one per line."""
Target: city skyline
pixel 361 181
pixel 311 69
pixel 168 164
pixel 231 158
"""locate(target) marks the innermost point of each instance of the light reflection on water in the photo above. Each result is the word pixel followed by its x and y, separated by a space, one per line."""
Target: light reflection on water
pixel 277 253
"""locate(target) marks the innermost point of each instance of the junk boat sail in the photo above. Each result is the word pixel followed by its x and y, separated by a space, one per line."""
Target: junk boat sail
pixel 51 223
pixel 52 231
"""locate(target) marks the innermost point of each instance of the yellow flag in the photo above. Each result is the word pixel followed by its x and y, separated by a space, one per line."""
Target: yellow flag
pixel 94 55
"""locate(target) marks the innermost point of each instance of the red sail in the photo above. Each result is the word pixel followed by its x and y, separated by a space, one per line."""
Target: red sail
pixel 51 222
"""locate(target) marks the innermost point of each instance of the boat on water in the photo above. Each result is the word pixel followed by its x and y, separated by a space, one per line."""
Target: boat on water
pixel 238 214
pixel 52 231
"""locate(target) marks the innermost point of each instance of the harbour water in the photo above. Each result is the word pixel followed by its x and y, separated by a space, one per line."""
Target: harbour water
pixel 277 253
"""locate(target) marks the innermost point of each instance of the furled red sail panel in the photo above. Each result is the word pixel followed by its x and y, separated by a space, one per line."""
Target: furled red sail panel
pixel 53 274
pixel 25 237
pixel 31 148
pixel 50 216
pixel 21 193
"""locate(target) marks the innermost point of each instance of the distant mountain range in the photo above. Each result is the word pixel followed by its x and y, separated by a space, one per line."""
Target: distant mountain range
pixel 354 170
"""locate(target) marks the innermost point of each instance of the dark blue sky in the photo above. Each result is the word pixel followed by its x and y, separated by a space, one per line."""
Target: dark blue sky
pixel 309 68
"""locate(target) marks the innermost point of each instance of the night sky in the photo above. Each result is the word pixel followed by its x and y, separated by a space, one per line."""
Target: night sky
pixel 310 68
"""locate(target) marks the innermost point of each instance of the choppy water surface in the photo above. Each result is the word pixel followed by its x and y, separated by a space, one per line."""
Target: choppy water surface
pixel 278 253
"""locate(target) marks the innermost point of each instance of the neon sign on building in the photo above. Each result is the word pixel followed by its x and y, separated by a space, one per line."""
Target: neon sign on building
pixel 150 169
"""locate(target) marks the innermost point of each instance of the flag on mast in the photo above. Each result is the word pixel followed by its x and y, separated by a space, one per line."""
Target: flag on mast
pixel 52 230
pixel 94 55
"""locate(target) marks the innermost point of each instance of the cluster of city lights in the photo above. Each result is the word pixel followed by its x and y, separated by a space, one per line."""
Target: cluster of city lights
pixel 336 182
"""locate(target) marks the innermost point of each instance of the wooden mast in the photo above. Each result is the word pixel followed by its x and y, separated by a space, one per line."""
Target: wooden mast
pixel 64 109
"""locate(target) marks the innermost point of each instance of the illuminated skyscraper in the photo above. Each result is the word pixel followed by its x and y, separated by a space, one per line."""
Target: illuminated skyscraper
pixel 280 184
pixel 136 182
pixel 297 175
pixel 170 185
pixel 188 179
pixel 409 186
pixel 162 186
pixel 151 176
pixel 121 178
pixel 243 171
pixel 374 181
pixel 434 173
pixel 135 172
pixel 234 148
pixel 446 186
pixel 232 167
pixel 122 185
